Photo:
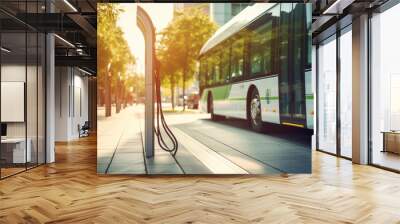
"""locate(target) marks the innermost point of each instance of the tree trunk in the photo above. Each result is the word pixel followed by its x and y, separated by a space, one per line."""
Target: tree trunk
pixel 125 97
pixel 107 94
pixel 118 97
pixel 185 68
pixel 172 81
pixel 173 97
pixel 101 97
pixel 183 88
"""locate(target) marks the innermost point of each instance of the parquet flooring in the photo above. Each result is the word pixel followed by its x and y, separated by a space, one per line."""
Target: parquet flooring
pixel 70 191
pixel 7 171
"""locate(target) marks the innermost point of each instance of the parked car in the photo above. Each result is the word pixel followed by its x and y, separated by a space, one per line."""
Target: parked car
pixel 193 101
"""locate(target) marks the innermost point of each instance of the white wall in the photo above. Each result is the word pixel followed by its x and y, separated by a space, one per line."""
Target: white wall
pixel 71 103
pixel 13 73
pixel 62 82
pixel 80 103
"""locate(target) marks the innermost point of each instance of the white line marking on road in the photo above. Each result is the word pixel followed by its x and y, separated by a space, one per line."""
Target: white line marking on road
pixel 212 160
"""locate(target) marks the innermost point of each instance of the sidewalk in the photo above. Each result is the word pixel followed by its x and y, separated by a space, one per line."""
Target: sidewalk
pixel 205 147
pixel 119 143
pixel 120 147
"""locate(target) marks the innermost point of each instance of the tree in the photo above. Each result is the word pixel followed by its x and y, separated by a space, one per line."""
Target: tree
pixel 107 17
pixel 122 57
pixel 113 56
pixel 169 71
pixel 136 84
pixel 180 45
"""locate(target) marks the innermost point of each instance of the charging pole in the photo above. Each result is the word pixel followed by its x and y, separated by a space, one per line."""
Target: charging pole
pixel 146 26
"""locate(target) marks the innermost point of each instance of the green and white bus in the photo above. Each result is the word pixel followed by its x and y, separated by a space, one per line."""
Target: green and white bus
pixel 258 67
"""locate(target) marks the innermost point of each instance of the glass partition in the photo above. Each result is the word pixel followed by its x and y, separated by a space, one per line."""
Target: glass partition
pixel 14 153
pixel 31 97
pixel 41 97
pixel 22 90
pixel 327 96
pixel 346 93
pixel 385 89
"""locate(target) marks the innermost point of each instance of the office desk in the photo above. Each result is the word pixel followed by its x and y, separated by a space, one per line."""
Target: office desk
pixel 13 150
pixel 391 141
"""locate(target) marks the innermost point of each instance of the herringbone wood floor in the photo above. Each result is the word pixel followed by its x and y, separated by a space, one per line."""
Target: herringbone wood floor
pixel 70 191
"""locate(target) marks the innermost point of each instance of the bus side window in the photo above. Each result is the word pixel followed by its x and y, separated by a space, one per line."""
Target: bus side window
pixel 237 55
pixel 203 72
pixel 209 71
pixel 217 70
pixel 225 64
pixel 261 49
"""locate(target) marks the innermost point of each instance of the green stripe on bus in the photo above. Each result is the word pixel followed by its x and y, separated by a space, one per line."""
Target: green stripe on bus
pixel 262 98
pixel 221 92
pixel 270 98
pixel 309 97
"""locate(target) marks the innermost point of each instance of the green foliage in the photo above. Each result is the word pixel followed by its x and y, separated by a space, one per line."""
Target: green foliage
pixel 180 45
pixel 114 54
pixel 136 84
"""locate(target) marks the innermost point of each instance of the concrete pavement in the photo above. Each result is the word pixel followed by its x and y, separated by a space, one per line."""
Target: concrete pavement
pixel 205 147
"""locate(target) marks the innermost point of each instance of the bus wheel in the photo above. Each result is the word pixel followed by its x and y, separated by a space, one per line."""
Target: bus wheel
pixel 255 112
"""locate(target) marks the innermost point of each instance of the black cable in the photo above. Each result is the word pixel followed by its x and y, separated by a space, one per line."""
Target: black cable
pixel 160 116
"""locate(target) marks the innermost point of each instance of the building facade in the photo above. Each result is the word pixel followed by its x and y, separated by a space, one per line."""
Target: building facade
pixel 205 7
pixel 221 13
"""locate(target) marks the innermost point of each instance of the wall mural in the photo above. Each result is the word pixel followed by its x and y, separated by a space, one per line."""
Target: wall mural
pixel 231 89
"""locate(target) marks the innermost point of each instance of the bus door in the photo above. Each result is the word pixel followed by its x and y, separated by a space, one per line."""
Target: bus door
pixel 292 47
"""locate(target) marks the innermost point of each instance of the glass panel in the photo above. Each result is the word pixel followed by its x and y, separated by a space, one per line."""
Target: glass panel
pixel 275 13
pixel 327 96
pixel 346 94
pixel 238 7
pixel 385 84
pixel 225 64
pixel 210 75
pixel 217 71
pixel 261 50
pixel 299 54
pixel 203 72
pixel 41 98
pixel 309 41
pixel 31 98
pixel 284 99
pixel 237 58
pixel 13 79
pixel 23 90
pixel 32 89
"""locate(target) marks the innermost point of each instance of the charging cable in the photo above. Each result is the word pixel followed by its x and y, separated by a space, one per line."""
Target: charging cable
pixel 160 117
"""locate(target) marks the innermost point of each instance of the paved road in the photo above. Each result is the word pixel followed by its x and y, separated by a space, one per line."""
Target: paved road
pixel 277 150
pixel 205 147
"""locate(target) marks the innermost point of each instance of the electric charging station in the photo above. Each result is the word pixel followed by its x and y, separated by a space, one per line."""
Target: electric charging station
pixel 152 85
pixel 145 24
